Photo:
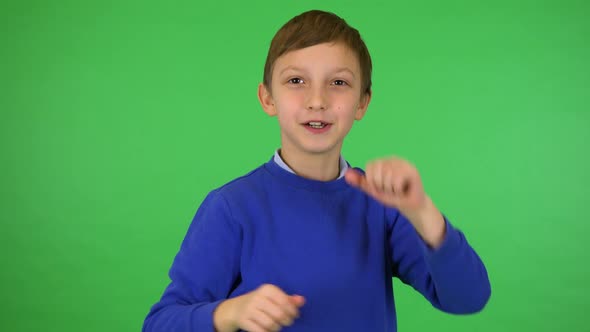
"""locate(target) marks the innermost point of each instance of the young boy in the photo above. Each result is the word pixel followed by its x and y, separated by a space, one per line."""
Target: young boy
pixel 305 242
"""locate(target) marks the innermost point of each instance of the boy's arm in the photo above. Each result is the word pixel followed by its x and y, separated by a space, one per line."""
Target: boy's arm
pixel 439 262
pixel 451 276
pixel 203 272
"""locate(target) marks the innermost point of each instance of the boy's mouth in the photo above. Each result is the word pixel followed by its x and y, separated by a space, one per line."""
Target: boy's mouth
pixel 317 124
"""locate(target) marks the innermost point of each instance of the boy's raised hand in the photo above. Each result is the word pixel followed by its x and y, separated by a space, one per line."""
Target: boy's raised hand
pixel 265 309
pixel 393 181
pixel 396 183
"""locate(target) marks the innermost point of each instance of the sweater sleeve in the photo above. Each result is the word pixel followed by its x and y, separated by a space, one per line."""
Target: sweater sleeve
pixel 203 272
pixel 452 277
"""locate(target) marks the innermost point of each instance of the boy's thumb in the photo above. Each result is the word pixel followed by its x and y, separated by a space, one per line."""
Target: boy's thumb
pixel 298 300
pixel 353 177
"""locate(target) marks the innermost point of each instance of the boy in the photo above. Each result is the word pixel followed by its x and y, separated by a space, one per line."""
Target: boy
pixel 305 242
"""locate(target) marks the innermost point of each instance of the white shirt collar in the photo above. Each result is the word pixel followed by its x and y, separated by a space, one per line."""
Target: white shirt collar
pixel 281 163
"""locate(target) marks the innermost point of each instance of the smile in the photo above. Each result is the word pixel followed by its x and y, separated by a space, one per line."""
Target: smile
pixel 317 125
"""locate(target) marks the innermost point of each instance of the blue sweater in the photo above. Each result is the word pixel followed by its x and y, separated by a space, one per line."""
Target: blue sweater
pixel 326 241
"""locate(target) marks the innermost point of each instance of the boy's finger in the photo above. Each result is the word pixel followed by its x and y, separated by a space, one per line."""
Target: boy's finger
pixel 353 177
pixel 388 179
pixel 275 293
pixel 401 186
pixel 298 300
pixel 360 181
pixel 283 301
pixel 266 321
pixel 357 179
pixel 375 176
pixel 280 314
pixel 252 326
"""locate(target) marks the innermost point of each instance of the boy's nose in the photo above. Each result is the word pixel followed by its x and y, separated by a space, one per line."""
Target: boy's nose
pixel 316 100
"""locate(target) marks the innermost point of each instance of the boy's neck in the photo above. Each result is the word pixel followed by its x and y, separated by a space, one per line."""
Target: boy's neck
pixel 320 167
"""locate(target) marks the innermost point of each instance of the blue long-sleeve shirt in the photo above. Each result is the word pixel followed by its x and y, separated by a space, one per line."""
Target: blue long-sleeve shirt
pixel 326 241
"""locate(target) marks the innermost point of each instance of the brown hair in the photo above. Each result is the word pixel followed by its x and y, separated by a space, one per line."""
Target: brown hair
pixel 316 27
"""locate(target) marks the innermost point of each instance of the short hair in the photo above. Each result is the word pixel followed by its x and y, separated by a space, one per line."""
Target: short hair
pixel 316 27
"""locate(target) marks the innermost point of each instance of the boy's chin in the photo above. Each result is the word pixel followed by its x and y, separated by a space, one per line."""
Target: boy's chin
pixel 320 150
pixel 316 146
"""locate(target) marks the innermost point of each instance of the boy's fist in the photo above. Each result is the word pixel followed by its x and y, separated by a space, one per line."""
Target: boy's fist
pixel 265 309
pixel 394 182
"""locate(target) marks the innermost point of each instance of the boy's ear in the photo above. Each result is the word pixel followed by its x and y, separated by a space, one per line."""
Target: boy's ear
pixel 363 105
pixel 266 101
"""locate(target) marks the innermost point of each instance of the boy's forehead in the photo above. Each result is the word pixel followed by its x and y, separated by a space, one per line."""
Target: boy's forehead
pixel 327 56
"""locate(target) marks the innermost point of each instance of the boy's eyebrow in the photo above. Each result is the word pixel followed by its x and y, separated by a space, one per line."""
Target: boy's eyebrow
pixel 336 70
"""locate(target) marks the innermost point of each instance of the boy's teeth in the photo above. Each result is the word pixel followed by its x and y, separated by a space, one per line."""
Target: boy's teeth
pixel 318 125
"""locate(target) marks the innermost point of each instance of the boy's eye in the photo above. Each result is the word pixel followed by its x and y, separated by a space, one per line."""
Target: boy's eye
pixel 340 82
pixel 295 80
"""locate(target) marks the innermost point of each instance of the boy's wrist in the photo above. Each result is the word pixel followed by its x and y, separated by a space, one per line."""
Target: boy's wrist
pixel 429 223
pixel 224 317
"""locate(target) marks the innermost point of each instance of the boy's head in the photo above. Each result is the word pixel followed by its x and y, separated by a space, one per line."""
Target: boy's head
pixel 316 27
pixel 317 81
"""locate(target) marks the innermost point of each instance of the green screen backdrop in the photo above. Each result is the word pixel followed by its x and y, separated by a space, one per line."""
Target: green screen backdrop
pixel 118 117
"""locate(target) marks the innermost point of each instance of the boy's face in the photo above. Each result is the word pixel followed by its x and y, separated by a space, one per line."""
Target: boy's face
pixel 320 83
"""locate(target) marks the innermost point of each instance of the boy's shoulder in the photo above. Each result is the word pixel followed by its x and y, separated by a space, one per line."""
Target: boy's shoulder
pixel 244 184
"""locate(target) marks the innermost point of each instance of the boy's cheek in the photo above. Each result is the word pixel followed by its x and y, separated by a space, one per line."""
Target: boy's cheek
pixel 289 103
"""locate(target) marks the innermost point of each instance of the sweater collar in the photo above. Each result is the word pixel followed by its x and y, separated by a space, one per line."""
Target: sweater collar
pixel 277 159
pixel 295 180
